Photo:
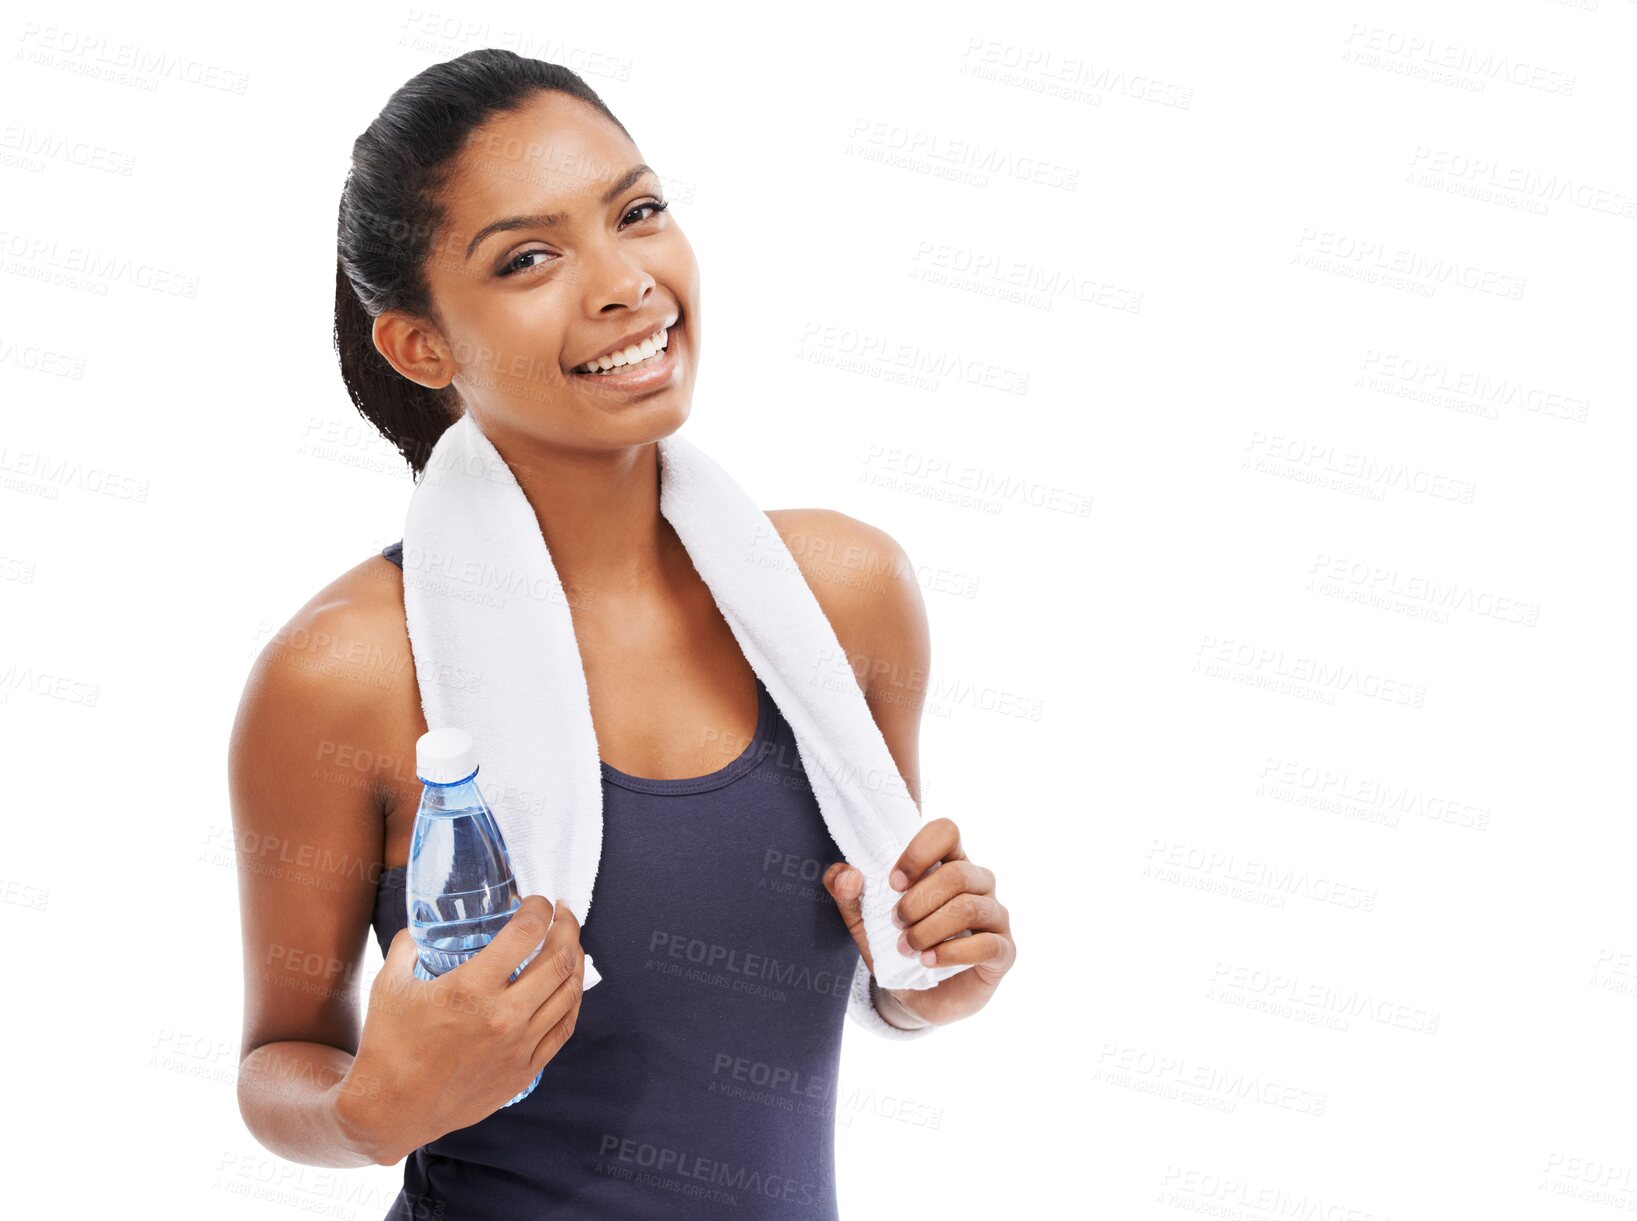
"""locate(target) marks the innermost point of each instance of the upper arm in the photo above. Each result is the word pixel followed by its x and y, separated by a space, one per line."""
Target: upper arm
pixel 867 588
pixel 307 826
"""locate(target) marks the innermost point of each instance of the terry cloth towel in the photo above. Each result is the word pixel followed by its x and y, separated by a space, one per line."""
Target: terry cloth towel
pixel 495 654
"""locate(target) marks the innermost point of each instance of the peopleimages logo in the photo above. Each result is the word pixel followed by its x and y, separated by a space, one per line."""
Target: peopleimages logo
pixel 126 62
pixel 1437 59
pixel 685 1164
pixel 70 473
pixel 714 956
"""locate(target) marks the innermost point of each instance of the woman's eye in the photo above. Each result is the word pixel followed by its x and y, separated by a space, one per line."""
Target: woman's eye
pixel 656 206
pixel 517 264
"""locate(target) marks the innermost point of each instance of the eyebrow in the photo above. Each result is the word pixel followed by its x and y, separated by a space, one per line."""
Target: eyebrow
pixel 544 220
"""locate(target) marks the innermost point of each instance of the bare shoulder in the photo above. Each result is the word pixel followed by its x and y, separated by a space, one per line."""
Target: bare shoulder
pixel 867 588
pixel 352 629
pixel 343 658
pixel 863 580
pixel 847 561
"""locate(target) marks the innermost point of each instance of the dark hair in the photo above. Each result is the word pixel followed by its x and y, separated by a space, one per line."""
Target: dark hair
pixel 390 212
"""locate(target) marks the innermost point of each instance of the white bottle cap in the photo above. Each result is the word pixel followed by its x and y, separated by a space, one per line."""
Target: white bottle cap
pixel 444 756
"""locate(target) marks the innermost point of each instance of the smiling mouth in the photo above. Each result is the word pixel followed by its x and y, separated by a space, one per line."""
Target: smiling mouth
pixel 646 352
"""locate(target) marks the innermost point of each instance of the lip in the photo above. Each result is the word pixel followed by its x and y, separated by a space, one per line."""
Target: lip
pixel 637 379
pixel 636 337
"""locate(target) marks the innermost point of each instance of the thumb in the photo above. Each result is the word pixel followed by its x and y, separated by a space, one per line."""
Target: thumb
pixel 846 887
pixel 400 957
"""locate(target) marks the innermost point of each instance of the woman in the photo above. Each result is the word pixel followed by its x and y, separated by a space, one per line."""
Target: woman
pixel 499 236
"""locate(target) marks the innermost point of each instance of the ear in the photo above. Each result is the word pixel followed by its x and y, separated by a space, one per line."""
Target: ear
pixel 413 348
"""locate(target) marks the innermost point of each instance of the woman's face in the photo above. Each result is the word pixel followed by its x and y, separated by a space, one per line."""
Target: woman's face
pixel 552 253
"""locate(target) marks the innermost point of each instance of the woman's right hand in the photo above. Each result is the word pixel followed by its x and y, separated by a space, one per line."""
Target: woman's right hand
pixel 437 1055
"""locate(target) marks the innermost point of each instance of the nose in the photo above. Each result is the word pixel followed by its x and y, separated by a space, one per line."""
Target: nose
pixel 614 280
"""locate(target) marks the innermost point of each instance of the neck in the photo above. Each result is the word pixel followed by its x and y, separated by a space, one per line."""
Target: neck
pixel 599 513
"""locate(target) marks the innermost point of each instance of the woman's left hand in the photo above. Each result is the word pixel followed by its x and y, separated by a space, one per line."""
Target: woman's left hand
pixel 944 894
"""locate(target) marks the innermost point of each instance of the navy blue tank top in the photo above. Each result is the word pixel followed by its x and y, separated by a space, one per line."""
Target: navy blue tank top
pixel 700 1080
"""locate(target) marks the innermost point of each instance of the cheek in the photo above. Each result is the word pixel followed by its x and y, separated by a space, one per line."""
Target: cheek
pixel 686 287
pixel 679 266
pixel 525 332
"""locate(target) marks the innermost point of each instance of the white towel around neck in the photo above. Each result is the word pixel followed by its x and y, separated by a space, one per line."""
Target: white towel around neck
pixel 495 654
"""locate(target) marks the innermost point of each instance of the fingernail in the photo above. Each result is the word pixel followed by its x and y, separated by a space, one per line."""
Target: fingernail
pixel 898 880
pixel 903 946
pixel 898 919
pixel 930 957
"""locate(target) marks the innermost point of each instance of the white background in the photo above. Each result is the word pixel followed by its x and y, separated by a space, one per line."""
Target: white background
pixel 1302 757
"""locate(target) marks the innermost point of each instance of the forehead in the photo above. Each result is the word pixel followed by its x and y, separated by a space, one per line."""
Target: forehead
pixel 554 153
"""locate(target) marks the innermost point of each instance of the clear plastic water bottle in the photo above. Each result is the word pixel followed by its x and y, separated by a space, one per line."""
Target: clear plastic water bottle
pixel 459 884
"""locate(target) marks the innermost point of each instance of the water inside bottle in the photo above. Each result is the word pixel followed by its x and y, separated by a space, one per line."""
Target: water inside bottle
pixel 450 928
pixel 459 885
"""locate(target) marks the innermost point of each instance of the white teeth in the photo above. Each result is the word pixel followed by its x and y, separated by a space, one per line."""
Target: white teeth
pixel 647 349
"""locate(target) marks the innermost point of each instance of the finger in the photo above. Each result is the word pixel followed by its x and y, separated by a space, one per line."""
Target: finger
pixel 939 887
pixel 493 965
pixel 975 912
pixel 551 1024
pixel 399 963
pixel 556 1035
pixel 559 958
pixel 401 952
pixel 936 841
pixel 846 887
pixel 986 949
